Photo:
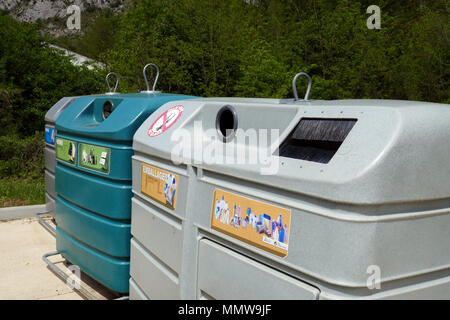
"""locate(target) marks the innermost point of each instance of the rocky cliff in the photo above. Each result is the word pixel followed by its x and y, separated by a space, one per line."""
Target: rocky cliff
pixel 52 15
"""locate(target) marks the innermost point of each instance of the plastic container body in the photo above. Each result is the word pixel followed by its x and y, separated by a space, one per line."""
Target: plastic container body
pixel 49 150
pixel 350 201
pixel 93 181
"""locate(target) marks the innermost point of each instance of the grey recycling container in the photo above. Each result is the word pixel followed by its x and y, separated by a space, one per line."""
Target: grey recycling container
pixel 350 201
pixel 49 150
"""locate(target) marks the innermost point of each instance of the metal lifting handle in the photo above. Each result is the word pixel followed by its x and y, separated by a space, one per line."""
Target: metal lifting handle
pixel 294 85
pixel 107 81
pixel 156 78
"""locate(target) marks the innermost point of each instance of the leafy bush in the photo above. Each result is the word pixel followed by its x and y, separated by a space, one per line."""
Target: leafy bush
pixel 34 76
pixel 253 48
pixel 22 157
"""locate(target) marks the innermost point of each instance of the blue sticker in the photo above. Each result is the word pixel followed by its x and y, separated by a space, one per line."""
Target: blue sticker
pixel 50 134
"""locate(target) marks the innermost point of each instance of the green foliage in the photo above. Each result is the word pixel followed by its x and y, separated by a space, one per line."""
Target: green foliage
pixel 20 192
pixel 34 76
pixel 21 170
pixel 98 28
pixel 262 75
pixel 22 157
pixel 424 73
pixel 234 48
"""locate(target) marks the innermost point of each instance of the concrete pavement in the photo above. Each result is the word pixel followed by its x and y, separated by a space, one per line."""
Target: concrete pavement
pixel 23 274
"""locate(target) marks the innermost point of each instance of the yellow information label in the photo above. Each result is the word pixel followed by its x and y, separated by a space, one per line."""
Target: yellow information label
pixel 159 185
pixel 257 223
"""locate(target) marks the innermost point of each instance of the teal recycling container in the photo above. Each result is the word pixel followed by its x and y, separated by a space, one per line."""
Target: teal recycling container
pixel 93 181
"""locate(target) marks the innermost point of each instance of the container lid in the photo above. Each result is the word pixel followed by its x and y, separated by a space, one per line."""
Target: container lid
pixel 348 151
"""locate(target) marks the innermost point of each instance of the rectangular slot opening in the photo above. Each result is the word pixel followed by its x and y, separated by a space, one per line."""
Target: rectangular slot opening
pixel 316 139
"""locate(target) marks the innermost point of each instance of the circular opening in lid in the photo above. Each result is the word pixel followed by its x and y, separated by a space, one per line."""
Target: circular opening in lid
pixel 226 123
pixel 108 108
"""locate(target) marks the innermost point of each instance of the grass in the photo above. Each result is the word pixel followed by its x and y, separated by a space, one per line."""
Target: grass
pixel 21 192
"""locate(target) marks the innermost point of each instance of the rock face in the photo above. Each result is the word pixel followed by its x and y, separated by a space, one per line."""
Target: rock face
pixel 42 10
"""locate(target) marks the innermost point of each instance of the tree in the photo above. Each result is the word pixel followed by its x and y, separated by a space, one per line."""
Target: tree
pixel 34 76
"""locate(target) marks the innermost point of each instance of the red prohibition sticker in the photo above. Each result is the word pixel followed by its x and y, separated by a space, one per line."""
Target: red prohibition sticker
pixel 165 121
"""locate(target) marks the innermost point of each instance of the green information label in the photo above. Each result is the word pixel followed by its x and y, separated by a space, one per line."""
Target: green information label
pixel 94 158
pixel 66 150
